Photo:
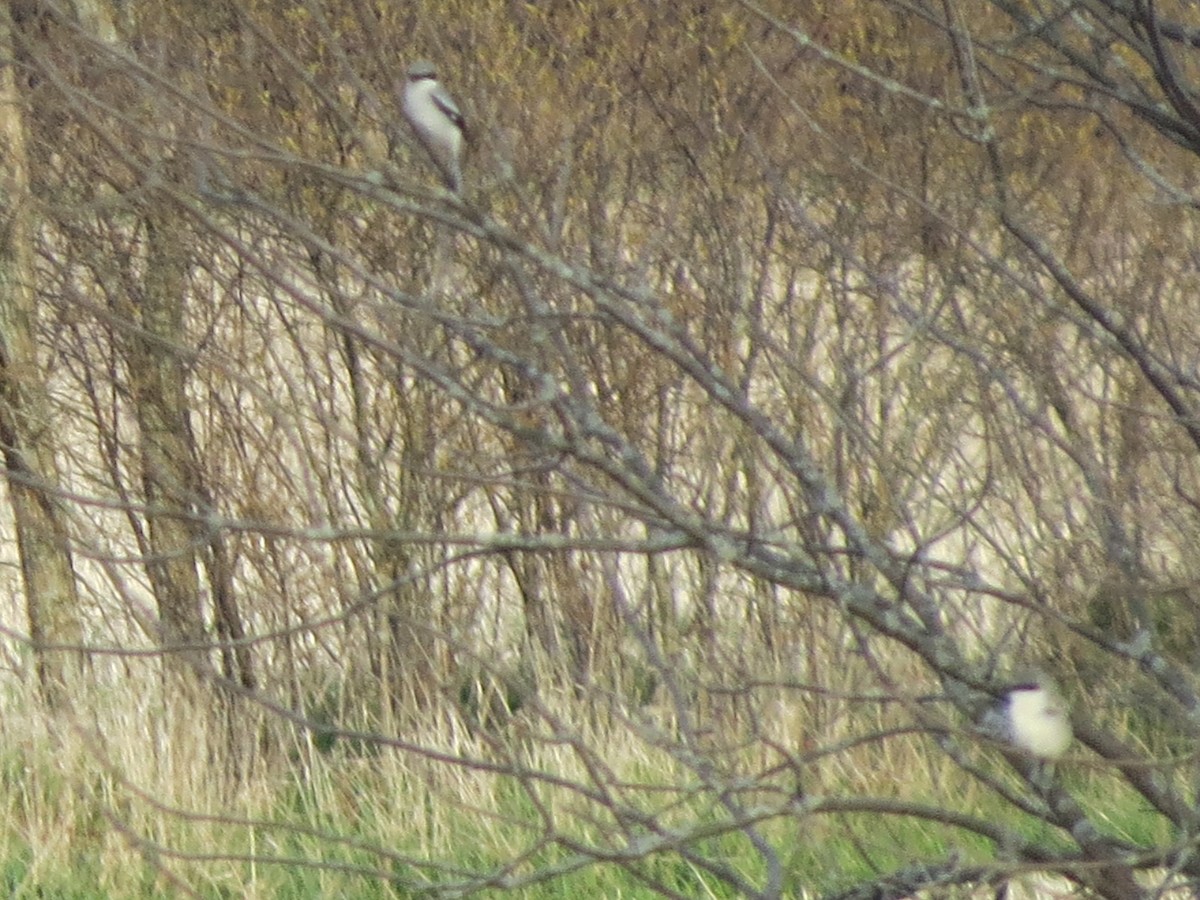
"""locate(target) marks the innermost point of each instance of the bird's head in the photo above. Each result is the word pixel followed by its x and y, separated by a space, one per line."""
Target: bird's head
pixel 421 70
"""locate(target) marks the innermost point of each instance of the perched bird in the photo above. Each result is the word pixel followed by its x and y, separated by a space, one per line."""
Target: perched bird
pixel 436 119
pixel 1032 716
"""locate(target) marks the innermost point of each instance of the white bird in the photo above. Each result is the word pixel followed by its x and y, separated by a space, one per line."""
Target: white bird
pixel 436 119
pixel 1036 719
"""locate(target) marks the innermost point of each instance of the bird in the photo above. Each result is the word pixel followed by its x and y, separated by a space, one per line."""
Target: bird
pixel 1037 718
pixel 1032 716
pixel 436 120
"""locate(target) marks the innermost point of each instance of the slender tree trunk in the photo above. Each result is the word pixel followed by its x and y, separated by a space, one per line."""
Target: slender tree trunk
pixel 26 426
pixel 404 660
pixel 157 368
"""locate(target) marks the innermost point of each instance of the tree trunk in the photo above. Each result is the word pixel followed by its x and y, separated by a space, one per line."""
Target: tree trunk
pixel 26 427
pixel 167 452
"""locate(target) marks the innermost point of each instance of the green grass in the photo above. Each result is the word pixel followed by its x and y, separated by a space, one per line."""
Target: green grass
pixel 817 855
pixel 128 803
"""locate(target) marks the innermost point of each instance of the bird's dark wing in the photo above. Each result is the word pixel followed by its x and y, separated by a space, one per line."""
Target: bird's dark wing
pixel 446 104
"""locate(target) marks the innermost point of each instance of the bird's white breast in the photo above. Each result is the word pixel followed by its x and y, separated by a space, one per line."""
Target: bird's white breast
pixel 435 126
pixel 1039 723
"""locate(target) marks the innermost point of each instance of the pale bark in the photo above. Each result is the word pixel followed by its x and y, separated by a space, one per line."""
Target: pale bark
pixel 26 424
pixel 156 362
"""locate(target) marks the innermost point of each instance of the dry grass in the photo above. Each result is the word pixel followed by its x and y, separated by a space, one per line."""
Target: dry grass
pixel 127 795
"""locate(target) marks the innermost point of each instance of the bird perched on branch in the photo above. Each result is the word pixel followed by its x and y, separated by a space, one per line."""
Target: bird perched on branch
pixel 1032 716
pixel 436 120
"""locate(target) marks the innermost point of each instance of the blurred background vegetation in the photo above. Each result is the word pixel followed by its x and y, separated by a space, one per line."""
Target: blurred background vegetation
pixel 657 518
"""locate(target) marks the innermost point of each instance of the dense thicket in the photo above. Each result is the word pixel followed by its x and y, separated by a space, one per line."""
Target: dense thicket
pixel 787 376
